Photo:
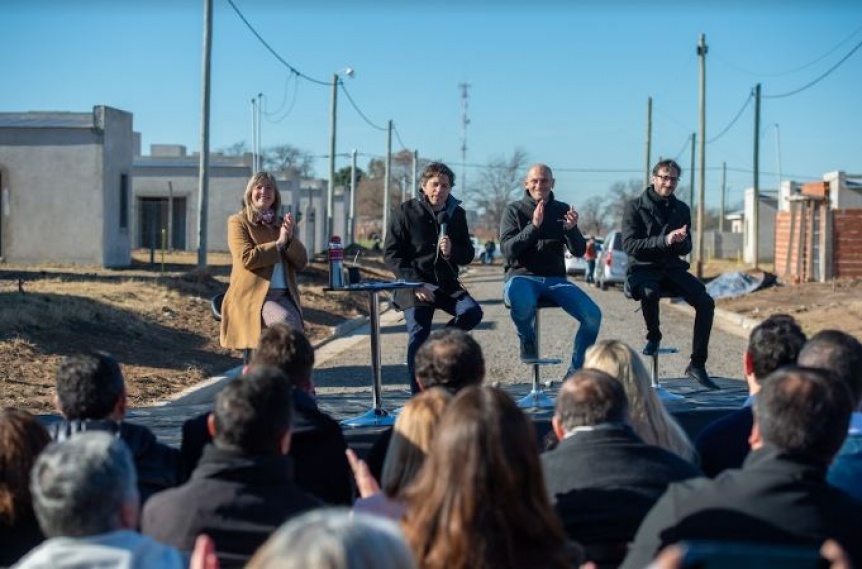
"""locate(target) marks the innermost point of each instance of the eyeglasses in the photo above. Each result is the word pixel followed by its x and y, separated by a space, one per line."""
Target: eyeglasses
pixel 671 179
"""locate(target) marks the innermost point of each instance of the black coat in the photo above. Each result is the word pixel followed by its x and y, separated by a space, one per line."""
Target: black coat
pixel 238 500
pixel 723 444
pixel 539 251
pixel 603 482
pixel 647 220
pixel 411 251
pixel 774 499
pixel 17 540
pixel 157 464
pixel 317 448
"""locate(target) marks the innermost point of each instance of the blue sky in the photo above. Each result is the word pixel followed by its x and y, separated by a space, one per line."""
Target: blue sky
pixel 567 82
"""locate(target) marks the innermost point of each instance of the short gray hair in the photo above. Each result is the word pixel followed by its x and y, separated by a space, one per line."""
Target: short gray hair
pixel 335 538
pixel 80 485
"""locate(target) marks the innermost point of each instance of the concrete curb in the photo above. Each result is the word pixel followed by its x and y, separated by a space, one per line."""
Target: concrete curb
pixel 728 321
pixel 205 391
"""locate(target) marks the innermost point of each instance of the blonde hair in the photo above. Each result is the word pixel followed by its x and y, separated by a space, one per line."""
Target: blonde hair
pixel 411 439
pixel 264 178
pixel 648 417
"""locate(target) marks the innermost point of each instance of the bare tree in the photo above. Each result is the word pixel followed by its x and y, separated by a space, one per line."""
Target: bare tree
pixel 618 195
pixel 499 182
pixel 235 149
pixel 591 216
pixel 289 159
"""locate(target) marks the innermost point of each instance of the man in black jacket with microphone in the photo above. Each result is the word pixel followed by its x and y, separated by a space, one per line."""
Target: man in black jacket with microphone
pixel 427 240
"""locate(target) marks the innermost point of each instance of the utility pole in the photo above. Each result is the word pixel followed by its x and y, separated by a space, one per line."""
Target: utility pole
pixel 257 140
pixel 464 122
pixel 170 215
pixel 203 168
pixel 723 194
pixel 415 192
pixel 701 52
pixel 691 184
pixel 331 188
pixel 755 217
pixel 254 168
pixel 351 222
pixel 386 180
pixel 648 150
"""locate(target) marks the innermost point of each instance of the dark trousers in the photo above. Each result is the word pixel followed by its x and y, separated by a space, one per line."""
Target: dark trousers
pixel 466 315
pixel 652 285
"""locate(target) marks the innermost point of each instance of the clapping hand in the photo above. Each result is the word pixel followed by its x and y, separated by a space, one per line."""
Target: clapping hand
pixel 677 235
pixel 571 219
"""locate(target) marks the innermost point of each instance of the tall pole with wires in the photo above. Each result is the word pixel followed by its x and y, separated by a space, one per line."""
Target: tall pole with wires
pixel 331 188
pixel 386 181
pixel 701 52
pixel 648 149
pixel 258 139
pixel 254 135
pixel 464 122
pixel 203 169
pixel 755 214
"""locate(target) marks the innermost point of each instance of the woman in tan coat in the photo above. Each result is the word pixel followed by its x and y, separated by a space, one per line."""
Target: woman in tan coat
pixel 265 257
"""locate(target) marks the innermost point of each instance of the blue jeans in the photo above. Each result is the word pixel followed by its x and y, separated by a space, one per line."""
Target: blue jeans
pixel 522 292
pixel 466 314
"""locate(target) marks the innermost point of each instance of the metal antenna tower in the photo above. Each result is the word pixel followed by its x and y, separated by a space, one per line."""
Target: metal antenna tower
pixel 464 122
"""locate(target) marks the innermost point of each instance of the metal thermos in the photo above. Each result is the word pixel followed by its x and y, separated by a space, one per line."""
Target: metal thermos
pixel 336 262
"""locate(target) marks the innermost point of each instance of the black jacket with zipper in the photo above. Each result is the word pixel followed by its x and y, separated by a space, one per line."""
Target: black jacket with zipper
pixel 411 249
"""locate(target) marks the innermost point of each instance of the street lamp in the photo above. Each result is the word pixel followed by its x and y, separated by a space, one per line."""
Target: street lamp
pixel 332 114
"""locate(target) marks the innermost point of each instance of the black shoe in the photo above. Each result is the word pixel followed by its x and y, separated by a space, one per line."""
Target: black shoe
pixel 699 375
pixel 651 347
pixel 529 352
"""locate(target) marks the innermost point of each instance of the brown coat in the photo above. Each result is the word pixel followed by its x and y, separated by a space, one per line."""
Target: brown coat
pixel 254 253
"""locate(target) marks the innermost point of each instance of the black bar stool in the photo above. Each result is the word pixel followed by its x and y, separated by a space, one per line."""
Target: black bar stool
pixel 662 393
pixel 537 398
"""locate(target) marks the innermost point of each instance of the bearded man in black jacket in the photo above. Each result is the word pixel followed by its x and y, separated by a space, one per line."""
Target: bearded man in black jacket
pixel 427 241
pixel 655 237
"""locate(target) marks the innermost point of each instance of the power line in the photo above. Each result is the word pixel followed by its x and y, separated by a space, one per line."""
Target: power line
pixel 357 109
pixel 812 83
pixel 733 122
pixel 398 137
pixel 683 149
pixel 272 51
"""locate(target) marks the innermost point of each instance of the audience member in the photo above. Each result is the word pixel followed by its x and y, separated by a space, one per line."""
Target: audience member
pixel 450 359
pixel 265 256
pixel 647 416
pixel 602 478
pixel 91 396
pixel 780 495
pixel 317 443
pixel 243 487
pixel 414 430
pixel 335 538
pixel 535 232
pixel 86 500
pixel 480 501
pixel 773 343
pixel 841 354
pixel 22 438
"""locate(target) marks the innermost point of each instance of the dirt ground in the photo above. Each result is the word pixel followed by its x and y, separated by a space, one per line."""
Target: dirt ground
pixel 157 320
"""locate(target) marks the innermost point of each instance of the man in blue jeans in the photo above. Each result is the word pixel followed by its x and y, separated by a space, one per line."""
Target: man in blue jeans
pixel 533 233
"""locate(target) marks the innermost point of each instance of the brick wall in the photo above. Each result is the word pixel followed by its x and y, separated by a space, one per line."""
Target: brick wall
pixel 847 243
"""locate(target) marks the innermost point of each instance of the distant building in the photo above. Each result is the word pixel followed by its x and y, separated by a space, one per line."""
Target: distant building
pixel 66 187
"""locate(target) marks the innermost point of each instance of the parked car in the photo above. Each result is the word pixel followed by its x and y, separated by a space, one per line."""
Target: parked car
pixel 612 262
pixel 577 265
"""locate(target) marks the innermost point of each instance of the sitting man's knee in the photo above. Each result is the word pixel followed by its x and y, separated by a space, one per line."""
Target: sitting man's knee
pixel 650 293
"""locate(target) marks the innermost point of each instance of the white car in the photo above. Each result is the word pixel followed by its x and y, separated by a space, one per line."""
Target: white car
pixel 612 262
pixel 577 265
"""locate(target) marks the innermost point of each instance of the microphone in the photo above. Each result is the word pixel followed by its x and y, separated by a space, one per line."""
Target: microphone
pixel 443 221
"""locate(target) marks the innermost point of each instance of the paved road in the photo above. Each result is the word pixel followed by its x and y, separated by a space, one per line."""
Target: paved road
pixel 343 374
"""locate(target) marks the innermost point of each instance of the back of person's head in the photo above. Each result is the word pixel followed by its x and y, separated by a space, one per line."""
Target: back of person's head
pixel 839 353
pixel 590 397
pixel 411 439
pixel 85 486
pixel 803 412
pixel 450 358
pixel 22 438
pixel 253 412
pixel 89 385
pixel 335 538
pixel 648 417
pixel 480 498
pixel 289 350
pixel 774 343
